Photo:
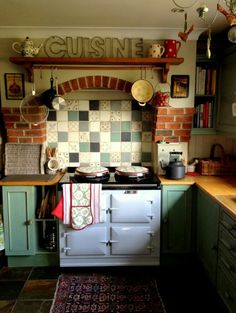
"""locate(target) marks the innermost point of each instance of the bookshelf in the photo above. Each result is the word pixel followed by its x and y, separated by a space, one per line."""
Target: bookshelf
pixel 205 95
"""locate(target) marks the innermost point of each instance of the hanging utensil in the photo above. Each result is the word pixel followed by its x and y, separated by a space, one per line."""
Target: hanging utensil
pixel 209 43
pixel 58 103
pixel 48 95
pixel 32 109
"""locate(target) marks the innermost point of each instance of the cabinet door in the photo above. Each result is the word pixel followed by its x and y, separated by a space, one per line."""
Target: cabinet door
pixel 226 121
pixel 176 219
pixel 207 232
pixel 19 204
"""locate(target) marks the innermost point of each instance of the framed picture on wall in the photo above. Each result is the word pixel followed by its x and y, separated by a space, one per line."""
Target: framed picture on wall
pixel 179 86
pixel 14 86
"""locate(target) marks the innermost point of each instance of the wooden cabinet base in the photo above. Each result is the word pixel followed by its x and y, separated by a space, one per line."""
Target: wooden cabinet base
pixel 51 259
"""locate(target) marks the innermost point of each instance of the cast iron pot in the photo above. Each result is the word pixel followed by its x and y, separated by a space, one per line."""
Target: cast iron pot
pixel 174 170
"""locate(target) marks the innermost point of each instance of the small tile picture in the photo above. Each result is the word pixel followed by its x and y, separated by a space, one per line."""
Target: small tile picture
pixel 14 86
pixel 179 86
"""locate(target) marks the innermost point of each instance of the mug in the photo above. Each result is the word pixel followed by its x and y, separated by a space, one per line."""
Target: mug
pixel 156 51
pixel 171 48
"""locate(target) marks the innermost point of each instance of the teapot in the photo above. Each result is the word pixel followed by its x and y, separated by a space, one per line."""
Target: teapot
pixel 26 48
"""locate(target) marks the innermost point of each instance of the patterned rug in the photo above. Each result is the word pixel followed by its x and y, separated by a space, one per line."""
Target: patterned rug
pixel 100 293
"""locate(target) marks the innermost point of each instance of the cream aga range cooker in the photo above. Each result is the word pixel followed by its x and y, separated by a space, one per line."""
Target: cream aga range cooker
pixel 128 233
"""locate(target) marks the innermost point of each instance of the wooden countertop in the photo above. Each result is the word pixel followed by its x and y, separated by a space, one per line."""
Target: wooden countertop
pixel 221 188
pixel 32 180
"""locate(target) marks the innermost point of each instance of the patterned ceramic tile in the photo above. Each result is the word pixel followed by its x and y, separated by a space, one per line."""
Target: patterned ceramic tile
pixel 146 136
pixel 147 116
pixel 52 126
pixel 94 116
pixel 115 157
pixel 136 115
pixel 105 115
pixel 146 157
pixel 115 115
pixel 105 158
pixel 83 115
pixel 73 126
pixel 136 157
pixel 73 157
pixel 105 147
pixel 94 105
pixel 104 105
pixel 74 147
pixel 72 104
pixel 63 158
pixel 125 157
pixel 136 126
pixel 73 136
pixel 94 147
pixel 105 126
pixel 84 158
pixel 126 146
pixel 62 126
pixel 83 136
pixel 83 126
pixel 94 126
pixel 126 105
pixel 52 137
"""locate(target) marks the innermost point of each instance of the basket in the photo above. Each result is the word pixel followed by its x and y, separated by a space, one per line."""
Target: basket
pixel 217 166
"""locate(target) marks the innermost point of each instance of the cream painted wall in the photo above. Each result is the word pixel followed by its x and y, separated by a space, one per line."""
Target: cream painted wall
pixel 42 77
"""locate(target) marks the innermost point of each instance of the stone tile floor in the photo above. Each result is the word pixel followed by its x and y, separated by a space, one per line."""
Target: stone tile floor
pixel 183 288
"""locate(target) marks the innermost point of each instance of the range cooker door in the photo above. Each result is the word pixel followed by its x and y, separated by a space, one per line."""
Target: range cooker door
pixel 89 241
pixel 131 240
pixel 132 206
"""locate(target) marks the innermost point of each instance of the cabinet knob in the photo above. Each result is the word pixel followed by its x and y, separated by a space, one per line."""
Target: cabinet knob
pixel 29 222
pixel 165 220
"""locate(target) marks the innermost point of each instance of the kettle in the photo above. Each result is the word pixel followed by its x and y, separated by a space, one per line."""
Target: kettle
pixel 174 170
pixel 26 48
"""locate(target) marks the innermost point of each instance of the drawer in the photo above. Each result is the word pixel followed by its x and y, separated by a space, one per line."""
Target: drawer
pixel 226 289
pixel 227 241
pixel 227 262
pixel 228 222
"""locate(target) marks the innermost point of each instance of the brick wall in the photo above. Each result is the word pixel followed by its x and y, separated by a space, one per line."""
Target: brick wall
pixel 169 124
pixel 172 124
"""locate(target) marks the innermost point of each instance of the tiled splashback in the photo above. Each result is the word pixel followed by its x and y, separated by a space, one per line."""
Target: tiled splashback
pixel 110 133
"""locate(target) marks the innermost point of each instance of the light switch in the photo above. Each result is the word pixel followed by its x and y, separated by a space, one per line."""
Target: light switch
pixel 234 109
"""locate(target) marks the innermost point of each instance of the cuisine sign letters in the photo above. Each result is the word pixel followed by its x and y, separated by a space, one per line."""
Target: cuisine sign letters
pixel 96 47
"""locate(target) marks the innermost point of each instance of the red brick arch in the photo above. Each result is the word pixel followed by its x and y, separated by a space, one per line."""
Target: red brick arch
pixel 96 81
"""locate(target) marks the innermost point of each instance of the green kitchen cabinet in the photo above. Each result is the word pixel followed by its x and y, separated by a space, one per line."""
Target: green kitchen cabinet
pixel 29 240
pixel 207 233
pixel 176 221
pixel 19 205
pixel 226 123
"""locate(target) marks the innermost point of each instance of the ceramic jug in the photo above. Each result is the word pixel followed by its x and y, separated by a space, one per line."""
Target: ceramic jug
pixel 156 51
pixel 26 48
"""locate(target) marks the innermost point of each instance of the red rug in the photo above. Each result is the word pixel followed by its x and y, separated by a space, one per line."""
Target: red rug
pixel 106 294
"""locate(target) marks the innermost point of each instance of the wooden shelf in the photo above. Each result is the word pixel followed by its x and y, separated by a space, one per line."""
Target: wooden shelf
pixel 155 63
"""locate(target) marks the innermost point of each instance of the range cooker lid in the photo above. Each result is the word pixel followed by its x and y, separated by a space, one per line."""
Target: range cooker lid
pixel 91 171
pixel 132 171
